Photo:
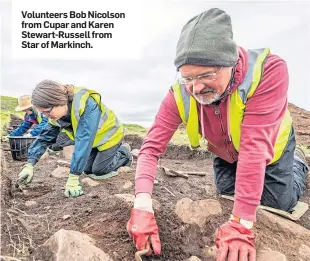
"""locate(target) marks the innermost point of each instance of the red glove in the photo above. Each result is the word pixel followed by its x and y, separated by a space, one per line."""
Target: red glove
pixel 235 242
pixel 143 229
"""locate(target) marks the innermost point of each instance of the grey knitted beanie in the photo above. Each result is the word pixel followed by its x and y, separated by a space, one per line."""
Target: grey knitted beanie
pixel 207 39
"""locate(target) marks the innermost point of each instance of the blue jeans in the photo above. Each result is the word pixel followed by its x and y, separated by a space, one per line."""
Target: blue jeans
pixel 284 179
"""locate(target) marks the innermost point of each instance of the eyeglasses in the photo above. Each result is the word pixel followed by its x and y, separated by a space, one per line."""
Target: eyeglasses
pixel 47 113
pixel 206 77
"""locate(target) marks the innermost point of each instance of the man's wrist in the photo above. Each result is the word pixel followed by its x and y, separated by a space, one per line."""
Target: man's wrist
pixel 247 224
pixel 143 203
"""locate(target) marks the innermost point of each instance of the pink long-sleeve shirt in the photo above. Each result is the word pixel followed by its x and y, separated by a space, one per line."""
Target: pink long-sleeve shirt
pixel 262 118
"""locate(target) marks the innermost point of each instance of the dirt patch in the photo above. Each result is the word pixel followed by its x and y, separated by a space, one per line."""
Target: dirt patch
pixel 180 152
pixel 103 216
pixel 301 122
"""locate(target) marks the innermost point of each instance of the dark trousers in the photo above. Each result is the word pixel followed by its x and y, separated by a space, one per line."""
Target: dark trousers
pixel 62 141
pixel 103 162
pixel 284 179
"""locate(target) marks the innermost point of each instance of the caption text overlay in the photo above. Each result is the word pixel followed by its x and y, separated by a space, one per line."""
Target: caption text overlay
pixel 75 29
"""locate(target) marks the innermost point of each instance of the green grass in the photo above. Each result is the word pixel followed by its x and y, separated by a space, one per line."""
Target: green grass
pixel 4 121
pixel 135 129
pixel 8 105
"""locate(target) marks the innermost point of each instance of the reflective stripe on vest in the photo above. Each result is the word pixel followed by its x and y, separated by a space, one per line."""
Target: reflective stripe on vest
pixel 187 106
pixel 38 117
pixel 237 104
pixel 69 133
pixel 109 132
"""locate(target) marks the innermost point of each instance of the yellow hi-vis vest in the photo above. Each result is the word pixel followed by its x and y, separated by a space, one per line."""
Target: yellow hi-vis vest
pixel 187 106
pixel 38 118
pixel 110 131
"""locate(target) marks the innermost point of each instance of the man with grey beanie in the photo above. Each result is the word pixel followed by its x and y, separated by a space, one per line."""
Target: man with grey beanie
pixel 236 99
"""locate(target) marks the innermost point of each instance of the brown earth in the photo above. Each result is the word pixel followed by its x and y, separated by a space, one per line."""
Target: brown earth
pixel 103 216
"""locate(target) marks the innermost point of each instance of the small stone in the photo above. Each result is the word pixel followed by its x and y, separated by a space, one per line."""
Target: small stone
pixel 135 153
pixel 67 152
pixel 193 258
pixel 128 184
pixel 90 182
pixel 210 251
pixel 47 207
pixel 125 169
pixel 210 189
pixel 65 217
pixel 264 255
pixel 156 182
pixel 61 172
pixel 92 195
pixel 30 203
pixel 63 163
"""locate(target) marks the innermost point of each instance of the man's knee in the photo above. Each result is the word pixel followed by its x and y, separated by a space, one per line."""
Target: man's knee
pixel 285 203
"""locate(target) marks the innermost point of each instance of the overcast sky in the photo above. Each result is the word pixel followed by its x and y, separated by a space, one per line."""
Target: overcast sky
pixel 134 89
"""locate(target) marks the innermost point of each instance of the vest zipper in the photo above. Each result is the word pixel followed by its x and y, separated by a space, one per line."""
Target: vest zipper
pixel 218 113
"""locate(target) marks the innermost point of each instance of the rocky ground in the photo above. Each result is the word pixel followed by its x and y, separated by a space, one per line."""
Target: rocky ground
pixel 39 223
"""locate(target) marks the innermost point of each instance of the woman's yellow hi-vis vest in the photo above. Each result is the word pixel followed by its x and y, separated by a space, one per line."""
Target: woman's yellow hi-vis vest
pixel 39 118
pixel 188 108
pixel 110 131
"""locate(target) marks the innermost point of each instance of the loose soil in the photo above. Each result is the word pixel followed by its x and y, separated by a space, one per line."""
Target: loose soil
pixel 103 216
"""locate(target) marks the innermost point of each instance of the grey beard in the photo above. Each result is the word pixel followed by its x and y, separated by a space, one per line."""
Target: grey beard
pixel 210 101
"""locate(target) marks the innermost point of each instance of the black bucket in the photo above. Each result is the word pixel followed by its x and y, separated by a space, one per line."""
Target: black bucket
pixel 19 146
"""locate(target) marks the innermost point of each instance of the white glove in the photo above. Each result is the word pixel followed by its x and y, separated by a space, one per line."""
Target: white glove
pixel 27 135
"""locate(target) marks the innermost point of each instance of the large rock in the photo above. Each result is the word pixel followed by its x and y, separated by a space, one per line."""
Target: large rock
pixel 278 224
pixel 129 199
pixel 68 245
pixel 304 252
pixel 196 212
pixel 61 172
pixel 265 255
pixel 67 152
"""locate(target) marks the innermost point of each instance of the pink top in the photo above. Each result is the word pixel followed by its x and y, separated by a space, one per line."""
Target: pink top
pixel 262 118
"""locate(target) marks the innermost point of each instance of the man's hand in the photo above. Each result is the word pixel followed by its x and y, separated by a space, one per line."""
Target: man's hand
pixel 26 175
pixel 73 186
pixel 142 226
pixel 235 242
